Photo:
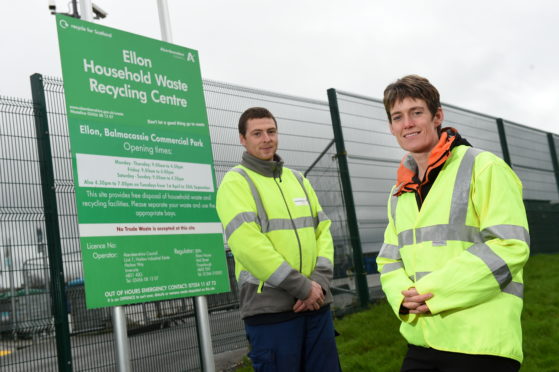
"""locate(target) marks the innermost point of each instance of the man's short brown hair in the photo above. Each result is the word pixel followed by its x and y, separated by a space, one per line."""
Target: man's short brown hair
pixel 254 113
pixel 411 86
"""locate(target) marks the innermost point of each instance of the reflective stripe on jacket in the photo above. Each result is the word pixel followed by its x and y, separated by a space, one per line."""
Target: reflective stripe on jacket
pixel 279 236
pixel 467 246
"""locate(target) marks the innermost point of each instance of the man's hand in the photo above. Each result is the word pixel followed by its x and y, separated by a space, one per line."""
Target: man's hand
pixel 314 300
pixel 415 302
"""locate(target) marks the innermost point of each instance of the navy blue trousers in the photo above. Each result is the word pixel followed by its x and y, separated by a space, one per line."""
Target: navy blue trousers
pixel 303 344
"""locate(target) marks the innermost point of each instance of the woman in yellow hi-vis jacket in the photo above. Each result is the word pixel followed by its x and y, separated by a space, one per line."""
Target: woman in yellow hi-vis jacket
pixel 457 240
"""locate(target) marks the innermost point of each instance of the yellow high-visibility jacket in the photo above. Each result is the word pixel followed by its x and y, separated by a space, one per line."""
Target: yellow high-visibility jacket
pixel 278 233
pixel 467 246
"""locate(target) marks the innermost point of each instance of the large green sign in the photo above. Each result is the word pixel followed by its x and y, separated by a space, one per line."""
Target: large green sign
pixel 143 167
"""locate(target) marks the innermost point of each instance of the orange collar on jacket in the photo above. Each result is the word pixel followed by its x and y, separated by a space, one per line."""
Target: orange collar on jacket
pixel 407 180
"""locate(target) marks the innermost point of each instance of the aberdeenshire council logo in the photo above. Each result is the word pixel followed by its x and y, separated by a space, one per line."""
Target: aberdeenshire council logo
pixel 63 23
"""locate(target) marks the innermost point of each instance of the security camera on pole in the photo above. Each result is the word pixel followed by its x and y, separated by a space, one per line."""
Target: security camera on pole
pixel 87 10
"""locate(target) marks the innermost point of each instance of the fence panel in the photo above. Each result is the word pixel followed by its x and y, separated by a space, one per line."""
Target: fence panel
pixel 531 159
pixel 26 322
pixel 480 130
pixel 373 156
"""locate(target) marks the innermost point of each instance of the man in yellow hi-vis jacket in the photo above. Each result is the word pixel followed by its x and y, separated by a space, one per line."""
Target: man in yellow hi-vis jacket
pixel 455 245
pixel 283 250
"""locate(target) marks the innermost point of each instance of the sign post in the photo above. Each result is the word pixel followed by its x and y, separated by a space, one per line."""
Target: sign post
pixel 121 339
pixel 200 303
pixel 143 167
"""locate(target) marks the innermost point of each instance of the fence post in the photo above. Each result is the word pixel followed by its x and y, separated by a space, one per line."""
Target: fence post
pixel 503 138
pixel 360 274
pixel 62 331
pixel 554 161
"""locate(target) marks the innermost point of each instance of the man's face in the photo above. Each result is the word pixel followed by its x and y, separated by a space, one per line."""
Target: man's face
pixel 261 138
pixel 413 125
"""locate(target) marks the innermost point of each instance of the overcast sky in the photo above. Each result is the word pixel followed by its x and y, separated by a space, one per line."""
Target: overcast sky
pixel 492 56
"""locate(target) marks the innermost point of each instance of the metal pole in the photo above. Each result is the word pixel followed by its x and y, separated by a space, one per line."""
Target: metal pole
pixel 554 158
pixel 86 10
pixel 46 271
pixel 121 338
pixel 75 13
pixel 10 263
pixel 41 249
pixel 200 302
pixel 57 290
pixel 164 21
pixel 119 317
pixel 13 302
pixel 503 139
pixel 25 277
pixel 117 312
pixel 360 273
pixel 204 334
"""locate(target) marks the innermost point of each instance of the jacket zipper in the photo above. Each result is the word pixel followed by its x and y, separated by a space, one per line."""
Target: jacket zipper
pixel 294 227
